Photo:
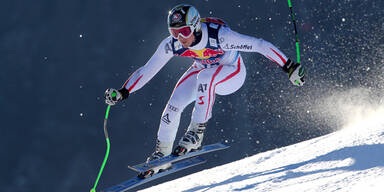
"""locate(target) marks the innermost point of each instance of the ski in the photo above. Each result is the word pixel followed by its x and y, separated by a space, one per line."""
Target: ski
pixel 134 182
pixel 172 158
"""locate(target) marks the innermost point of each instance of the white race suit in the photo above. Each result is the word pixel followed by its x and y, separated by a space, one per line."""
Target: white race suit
pixel 218 68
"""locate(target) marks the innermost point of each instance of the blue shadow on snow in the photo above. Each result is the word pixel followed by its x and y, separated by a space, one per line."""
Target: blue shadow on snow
pixel 364 156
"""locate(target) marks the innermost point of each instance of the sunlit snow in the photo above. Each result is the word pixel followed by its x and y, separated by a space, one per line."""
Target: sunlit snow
pixel 350 159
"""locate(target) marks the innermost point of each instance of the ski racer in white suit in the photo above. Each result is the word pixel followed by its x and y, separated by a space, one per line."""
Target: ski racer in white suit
pixel 218 68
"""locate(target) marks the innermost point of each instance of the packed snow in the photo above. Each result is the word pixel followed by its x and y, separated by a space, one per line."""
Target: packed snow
pixel 350 159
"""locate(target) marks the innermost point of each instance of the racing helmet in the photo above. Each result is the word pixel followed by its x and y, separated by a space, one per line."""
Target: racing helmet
pixel 183 20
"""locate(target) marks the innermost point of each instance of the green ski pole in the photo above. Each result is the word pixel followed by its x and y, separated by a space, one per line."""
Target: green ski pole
pixel 108 147
pixel 297 36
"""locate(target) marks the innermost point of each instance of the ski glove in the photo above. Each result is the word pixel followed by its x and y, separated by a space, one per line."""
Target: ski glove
pixel 296 72
pixel 112 96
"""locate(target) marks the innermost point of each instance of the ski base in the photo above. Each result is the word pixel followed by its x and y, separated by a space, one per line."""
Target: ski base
pixel 134 182
pixel 172 158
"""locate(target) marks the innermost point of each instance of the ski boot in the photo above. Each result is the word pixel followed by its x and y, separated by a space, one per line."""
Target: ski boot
pixel 192 139
pixel 162 149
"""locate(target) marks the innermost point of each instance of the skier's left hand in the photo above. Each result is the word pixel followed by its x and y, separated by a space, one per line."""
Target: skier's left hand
pixel 112 96
pixel 296 72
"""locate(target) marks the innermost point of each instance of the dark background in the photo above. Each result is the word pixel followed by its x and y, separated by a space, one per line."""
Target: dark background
pixel 58 57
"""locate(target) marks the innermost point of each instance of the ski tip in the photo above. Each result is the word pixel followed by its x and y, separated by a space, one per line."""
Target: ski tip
pixel 226 145
pixel 134 169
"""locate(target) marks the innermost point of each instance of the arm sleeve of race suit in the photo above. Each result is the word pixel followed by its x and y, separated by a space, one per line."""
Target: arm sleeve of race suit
pixel 234 41
pixel 145 73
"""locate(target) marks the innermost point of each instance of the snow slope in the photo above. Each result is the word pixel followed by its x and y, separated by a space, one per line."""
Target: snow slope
pixel 351 159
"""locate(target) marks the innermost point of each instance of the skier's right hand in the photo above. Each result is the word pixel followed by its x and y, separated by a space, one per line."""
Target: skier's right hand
pixel 112 96
pixel 296 72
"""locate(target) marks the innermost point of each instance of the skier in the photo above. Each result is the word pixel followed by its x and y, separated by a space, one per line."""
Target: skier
pixel 218 68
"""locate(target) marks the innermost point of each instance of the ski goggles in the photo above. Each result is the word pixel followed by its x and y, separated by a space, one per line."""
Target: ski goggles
pixel 185 32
